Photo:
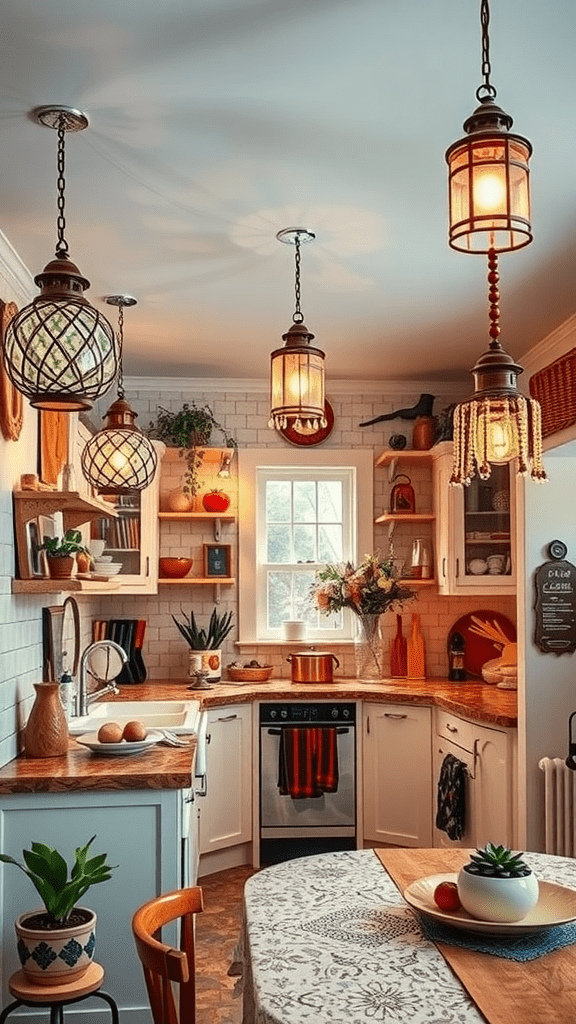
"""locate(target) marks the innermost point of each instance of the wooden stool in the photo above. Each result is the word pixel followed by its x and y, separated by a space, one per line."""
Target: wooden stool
pixel 55 997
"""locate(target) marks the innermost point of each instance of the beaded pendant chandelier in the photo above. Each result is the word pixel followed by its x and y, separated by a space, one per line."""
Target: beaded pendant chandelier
pixel 59 351
pixel 119 459
pixel 489 214
pixel 297 370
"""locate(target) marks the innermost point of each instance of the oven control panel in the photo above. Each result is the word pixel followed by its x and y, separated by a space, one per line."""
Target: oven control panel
pixel 315 713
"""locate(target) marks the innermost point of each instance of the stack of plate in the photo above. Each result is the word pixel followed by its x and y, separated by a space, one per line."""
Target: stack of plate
pixel 107 568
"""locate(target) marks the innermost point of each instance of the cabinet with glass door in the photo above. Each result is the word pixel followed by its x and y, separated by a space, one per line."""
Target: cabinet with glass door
pixel 476 525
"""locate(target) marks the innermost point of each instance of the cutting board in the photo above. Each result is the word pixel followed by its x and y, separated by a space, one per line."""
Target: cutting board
pixel 479 650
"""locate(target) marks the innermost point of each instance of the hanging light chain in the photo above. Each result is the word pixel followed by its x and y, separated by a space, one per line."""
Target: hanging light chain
pixel 494 298
pixel 298 316
pixel 486 89
pixel 62 244
pixel 120 335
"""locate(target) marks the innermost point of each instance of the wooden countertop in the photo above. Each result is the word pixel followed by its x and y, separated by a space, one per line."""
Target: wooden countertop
pixel 170 768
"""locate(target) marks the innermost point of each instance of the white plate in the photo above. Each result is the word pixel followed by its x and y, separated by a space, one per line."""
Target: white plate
pixel 124 749
pixel 556 905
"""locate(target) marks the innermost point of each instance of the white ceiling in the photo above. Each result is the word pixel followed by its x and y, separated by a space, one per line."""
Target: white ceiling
pixel 215 123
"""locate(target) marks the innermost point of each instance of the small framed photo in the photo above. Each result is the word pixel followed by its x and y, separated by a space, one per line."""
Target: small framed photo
pixel 217 560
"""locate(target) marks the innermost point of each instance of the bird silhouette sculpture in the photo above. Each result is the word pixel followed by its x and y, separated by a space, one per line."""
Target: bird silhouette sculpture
pixel 423 407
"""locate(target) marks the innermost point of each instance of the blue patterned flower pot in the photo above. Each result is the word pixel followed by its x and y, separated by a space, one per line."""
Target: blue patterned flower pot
pixel 55 956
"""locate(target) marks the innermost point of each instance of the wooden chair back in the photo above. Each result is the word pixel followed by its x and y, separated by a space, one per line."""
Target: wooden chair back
pixel 162 964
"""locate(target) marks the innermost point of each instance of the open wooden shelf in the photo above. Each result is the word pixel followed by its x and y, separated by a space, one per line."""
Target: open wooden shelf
pixel 76 508
pixel 193 580
pixel 41 585
pixel 228 517
pixel 403 455
pixel 406 517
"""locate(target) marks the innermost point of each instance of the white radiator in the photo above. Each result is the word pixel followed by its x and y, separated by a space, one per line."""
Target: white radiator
pixel 559 806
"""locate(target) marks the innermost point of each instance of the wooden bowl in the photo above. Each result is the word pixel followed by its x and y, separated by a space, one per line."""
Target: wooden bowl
pixel 175 568
pixel 249 675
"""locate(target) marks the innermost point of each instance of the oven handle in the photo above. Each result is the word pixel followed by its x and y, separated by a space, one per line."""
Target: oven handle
pixel 278 732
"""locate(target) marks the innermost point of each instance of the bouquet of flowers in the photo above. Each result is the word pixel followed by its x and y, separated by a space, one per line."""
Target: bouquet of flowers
pixel 370 589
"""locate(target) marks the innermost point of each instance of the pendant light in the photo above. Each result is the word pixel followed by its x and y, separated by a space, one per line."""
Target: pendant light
pixel 297 370
pixel 119 459
pixel 59 351
pixel 489 214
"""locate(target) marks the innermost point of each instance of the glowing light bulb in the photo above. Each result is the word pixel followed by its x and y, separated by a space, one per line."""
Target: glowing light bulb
pixel 489 192
pixel 118 460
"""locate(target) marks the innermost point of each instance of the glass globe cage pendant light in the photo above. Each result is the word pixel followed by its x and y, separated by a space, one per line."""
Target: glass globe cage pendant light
pixel 489 190
pixel 498 423
pixel 297 369
pixel 59 351
pixel 119 459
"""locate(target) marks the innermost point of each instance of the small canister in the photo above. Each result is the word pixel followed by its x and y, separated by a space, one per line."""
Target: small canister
pixel 402 497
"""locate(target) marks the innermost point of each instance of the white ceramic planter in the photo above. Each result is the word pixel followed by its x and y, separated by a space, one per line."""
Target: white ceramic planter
pixel 55 957
pixel 497 899
pixel 207 661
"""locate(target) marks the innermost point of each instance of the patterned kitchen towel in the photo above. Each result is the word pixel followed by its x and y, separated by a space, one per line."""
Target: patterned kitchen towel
pixel 522 948
pixel 451 808
pixel 307 762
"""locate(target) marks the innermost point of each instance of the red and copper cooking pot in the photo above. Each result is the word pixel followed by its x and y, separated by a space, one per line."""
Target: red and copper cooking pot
pixel 312 667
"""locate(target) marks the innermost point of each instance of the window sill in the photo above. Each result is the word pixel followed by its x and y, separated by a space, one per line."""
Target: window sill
pixel 309 643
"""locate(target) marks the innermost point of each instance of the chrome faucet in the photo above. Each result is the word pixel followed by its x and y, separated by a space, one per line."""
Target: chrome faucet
pixel 85 699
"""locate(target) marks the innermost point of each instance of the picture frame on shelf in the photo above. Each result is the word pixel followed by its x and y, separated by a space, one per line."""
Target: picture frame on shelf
pixel 48 526
pixel 33 565
pixel 217 561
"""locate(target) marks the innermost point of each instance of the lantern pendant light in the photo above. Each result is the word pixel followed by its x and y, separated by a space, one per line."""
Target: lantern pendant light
pixel 59 351
pixel 488 176
pixel 489 214
pixel 297 370
pixel 119 459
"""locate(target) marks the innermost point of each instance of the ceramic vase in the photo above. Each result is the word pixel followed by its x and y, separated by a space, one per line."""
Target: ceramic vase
pixel 55 956
pixel 423 433
pixel 208 662
pixel 46 732
pixel 368 647
pixel 497 899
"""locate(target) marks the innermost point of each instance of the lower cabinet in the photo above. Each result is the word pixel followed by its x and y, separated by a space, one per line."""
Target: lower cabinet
pixel 144 832
pixel 397 774
pixel 226 808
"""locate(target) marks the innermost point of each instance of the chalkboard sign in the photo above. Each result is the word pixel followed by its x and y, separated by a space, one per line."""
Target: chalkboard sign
pixel 555 583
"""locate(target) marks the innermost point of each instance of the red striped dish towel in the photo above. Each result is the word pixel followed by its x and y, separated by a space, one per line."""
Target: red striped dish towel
pixel 308 762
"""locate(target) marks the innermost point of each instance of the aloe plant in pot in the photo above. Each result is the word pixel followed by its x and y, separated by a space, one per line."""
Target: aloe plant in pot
pixel 205 644
pixel 57 944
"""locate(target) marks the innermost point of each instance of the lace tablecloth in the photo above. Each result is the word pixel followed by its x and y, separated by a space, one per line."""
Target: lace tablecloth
pixel 329 939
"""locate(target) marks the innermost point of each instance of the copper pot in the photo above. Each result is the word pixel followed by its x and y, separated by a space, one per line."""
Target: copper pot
pixel 312 667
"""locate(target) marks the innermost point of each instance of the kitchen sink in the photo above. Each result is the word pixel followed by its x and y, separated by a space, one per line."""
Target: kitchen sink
pixel 178 716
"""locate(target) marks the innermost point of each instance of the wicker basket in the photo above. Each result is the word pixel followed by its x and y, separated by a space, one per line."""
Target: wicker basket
pixel 249 675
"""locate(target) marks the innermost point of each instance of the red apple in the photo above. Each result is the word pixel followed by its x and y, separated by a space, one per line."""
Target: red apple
pixel 446 896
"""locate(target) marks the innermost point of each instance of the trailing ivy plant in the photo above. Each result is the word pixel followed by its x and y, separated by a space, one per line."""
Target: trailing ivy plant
pixel 190 429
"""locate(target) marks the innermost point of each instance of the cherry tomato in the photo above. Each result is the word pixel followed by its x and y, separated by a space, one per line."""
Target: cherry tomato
pixel 446 896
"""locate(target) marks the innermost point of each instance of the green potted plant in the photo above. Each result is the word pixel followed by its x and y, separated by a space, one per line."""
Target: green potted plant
pixel 57 944
pixel 205 644
pixel 190 429
pixel 497 885
pixel 60 552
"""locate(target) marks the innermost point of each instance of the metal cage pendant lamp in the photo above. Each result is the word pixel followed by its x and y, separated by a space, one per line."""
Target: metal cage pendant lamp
pixel 297 369
pixel 489 214
pixel 119 459
pixel 59 351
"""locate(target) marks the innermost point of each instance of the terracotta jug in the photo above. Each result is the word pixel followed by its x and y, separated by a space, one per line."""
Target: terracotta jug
pixel 46 732
pixel 423 433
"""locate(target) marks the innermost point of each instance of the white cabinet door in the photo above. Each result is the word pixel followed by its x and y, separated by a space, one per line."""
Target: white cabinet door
pixel 475 530
pixel 226 809
pixel 141 831
pixel 397 774
pixel 493 811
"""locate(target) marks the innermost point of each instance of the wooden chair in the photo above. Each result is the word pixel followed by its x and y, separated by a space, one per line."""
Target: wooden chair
pixel 161 963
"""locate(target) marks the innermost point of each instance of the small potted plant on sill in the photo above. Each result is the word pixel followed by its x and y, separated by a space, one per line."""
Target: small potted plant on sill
pixel 56 944
pixel 60 552
pixel 189 429
pixel 497 885
pixel 205 644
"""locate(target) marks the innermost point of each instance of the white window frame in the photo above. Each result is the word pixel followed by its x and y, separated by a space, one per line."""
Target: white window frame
pixel 360 463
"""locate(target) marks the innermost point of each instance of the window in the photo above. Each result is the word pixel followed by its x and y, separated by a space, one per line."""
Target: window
pixel 293 518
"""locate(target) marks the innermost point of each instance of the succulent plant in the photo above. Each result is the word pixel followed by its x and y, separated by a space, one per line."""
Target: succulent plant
pixel 497 862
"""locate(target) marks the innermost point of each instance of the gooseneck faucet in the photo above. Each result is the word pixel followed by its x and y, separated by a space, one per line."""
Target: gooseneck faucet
pixel 84 699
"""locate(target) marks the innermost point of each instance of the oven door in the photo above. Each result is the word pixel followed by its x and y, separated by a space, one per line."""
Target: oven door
pixel 325 815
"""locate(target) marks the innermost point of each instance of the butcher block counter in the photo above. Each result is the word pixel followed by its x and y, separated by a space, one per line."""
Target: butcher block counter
pixel 170 768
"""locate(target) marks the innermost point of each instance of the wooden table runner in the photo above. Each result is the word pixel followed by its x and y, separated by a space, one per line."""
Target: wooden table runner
pixel 541 991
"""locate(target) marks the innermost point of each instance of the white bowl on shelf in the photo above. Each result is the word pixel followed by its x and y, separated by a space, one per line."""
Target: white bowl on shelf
pixel 107 568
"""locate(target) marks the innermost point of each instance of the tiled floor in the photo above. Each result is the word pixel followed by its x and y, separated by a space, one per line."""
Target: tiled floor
pixel 217 931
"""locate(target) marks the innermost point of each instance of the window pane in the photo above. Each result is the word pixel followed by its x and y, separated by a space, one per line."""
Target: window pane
pixel 279 544
pixel 329 501
pixel 304 543
pixel 304 501
pixel 278 501
pixel 279 596
pixel 330 543
pixel 304 607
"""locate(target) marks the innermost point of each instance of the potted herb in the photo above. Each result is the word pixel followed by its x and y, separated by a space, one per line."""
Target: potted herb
pixel 497 885
pixel 205 644
pixel 60 552
pixel 189 429
pixel 56 944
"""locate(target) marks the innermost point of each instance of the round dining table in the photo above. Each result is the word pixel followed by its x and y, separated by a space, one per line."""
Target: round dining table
pixel 329 939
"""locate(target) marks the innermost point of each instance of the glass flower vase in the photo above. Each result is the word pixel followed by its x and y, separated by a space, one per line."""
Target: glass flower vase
pixel 368 647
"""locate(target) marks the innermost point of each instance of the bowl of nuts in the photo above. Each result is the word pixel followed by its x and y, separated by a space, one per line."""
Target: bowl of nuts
pixel 251 672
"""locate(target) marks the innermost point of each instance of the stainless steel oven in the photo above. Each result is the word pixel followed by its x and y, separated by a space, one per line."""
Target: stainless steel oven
pixel 293 824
